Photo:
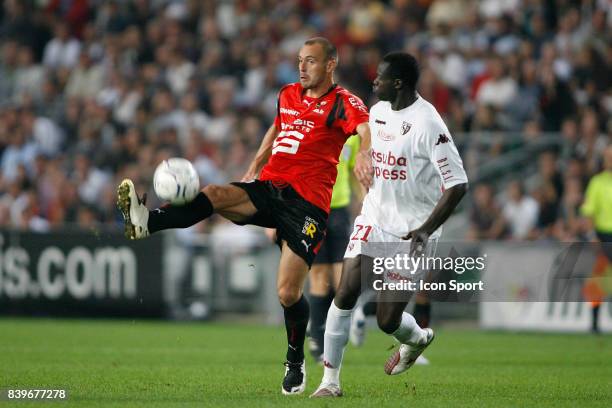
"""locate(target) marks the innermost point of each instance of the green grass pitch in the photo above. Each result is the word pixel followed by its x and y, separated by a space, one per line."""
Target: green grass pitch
pixel 165 364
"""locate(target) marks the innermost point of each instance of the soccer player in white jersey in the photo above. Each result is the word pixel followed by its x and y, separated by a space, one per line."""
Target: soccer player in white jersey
pixel 417 181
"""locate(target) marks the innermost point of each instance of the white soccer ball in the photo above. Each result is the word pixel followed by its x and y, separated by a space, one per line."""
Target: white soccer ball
pixel 176 180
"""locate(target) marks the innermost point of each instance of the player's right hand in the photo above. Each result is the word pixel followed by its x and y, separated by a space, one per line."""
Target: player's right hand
pixel 363 168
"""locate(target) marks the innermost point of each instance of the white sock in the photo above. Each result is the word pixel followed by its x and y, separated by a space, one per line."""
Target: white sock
pixel 337 329
pixel 409 331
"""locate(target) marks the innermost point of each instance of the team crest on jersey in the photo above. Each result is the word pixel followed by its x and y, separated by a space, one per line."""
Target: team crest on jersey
pixel 406 128
pixel 310 227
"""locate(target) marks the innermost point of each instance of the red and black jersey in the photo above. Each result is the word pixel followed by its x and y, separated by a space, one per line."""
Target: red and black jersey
pixel 312 133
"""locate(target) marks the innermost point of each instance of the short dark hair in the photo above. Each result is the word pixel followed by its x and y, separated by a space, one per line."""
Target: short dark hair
pixel 328 48
pixel 403 66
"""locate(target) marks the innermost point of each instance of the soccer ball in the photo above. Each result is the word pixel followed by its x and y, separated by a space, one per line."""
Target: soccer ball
pixel 176 180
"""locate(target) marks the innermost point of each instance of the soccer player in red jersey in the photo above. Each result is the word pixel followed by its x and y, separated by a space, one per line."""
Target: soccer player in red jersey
pixel 288 186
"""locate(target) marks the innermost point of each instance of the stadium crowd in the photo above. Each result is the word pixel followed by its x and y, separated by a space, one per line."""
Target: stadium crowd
pixel 92 91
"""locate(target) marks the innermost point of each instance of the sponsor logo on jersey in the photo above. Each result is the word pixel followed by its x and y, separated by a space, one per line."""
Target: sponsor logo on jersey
pixel 319 111
pixel 310 227
pixel 388 159
pixel 380 122
pixel 301 122
pixel 442 139
pixel 406 128
pixel 381 159
pixel 382 135
pixel 292 112
pixel 357 104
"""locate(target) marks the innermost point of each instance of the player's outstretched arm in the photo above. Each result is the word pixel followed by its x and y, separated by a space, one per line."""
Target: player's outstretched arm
pixel 363 163
pixel 262 155
pixel 443 209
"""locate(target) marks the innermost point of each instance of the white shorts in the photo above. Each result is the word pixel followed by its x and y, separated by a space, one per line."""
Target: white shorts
pixel 369 240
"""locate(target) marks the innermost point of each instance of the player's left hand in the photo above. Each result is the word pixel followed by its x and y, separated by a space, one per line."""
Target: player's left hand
pixel 419 239
pixel 363 168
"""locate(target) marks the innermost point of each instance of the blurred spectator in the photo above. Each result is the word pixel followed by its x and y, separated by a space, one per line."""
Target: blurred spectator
pixel 127 83
pixel 520 211
pixel 498 89
pixel 486 222
pixel 189 117
pixel 86 79
pixel 63 50
pixel 569 226
pixel 29 76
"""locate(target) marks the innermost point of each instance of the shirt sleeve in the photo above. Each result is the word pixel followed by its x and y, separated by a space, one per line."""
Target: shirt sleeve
pixel 444 156
pixel 355 113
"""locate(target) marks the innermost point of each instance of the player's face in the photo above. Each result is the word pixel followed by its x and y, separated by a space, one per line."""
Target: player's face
pixel 313 65
pixel 383 85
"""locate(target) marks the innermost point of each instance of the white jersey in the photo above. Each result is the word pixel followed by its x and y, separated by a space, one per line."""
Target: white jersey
pixel 414 159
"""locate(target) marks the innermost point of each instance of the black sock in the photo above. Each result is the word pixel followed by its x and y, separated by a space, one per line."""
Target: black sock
pixel 296 320
pixel 319 305
pixel 369 309
pixel 595 322
pixel 422 314
pixel 180 216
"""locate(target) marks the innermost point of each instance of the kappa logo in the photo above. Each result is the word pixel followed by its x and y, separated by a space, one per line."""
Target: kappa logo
pixel 442 139
pixel 406 128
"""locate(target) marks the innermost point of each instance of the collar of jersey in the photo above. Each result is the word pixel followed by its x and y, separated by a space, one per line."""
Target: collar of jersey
pixel 331 88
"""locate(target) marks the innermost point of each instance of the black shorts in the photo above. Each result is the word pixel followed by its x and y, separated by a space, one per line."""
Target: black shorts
pixel 337 237
pixel 298 222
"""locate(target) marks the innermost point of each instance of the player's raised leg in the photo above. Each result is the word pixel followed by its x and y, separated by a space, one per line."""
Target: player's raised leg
pixel 393 320
pixel 229 201
pixel 337 327
pixel 292 274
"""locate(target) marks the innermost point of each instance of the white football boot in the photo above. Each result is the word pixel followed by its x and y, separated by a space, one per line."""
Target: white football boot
pixel 327 390
pixel 405 357
pixel 135 213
